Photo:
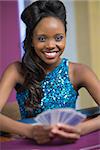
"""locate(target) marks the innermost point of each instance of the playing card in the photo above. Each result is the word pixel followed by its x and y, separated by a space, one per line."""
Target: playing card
pixel 41 120
pixel 75 118
pixel 61 115
pixel 44 118
pixel 48 117
pixel 65 114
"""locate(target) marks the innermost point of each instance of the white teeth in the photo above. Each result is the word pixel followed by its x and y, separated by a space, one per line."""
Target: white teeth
pixel 50 54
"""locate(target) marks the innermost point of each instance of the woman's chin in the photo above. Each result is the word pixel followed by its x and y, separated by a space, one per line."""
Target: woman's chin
pixel 52 61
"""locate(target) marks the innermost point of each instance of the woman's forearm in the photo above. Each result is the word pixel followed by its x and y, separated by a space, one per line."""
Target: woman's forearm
pixel 90 125
pixel 15 127
pixel 37 132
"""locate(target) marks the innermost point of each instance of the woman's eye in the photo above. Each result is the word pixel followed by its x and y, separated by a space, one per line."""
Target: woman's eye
pixel 42 38
pixel 58 38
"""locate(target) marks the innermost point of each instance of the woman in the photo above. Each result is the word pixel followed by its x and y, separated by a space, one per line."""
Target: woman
pixel 45 81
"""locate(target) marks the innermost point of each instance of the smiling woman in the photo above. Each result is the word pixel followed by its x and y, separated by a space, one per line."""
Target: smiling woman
pixel 49 40
pixel 43 80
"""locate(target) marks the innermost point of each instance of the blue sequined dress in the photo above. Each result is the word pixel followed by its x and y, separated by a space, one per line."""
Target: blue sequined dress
pixel 58 91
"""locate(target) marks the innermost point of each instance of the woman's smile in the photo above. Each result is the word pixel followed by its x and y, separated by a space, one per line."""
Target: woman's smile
pixel 51 54
pixel 49 40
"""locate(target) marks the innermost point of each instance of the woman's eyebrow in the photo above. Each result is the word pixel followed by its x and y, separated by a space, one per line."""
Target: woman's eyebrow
pixel 44 34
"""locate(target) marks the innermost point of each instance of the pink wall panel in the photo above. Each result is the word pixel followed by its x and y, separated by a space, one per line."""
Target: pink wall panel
pixel 9 35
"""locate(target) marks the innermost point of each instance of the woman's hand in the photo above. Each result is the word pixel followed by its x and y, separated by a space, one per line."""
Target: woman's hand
pixel 40 133
pixel 68 133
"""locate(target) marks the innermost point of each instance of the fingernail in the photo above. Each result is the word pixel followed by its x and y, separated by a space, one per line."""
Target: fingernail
pixel 53 131
pixel 59 124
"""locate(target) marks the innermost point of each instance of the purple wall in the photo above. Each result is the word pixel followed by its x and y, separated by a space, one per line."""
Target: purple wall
pixel 9 35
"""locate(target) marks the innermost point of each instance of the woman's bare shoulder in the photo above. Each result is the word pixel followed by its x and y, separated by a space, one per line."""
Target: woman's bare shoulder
pixel 79 68
pixel 80 74
pixel 13 71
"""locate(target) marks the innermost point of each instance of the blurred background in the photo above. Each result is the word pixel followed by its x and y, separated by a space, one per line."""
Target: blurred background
pixel 83 37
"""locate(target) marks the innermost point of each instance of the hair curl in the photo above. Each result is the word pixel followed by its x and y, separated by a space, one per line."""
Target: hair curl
pixel 32 66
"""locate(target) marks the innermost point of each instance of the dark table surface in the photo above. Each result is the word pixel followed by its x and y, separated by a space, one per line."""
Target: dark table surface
pixel 84 143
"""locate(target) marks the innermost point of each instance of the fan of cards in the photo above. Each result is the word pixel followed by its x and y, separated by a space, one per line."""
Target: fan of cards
pixel 61 115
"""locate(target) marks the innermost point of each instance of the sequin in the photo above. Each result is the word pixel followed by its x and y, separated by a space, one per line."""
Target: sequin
pixel 58 91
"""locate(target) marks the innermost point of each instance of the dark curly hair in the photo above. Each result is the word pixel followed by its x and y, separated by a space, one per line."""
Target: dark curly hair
pixel 32 66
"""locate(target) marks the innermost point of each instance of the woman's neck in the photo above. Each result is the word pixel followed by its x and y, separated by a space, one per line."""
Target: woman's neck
pixel 49 68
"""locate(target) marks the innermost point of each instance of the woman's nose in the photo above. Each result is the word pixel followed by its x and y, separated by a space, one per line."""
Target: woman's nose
pixel 51 44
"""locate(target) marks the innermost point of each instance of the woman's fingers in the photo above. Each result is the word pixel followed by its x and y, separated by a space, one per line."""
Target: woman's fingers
pixel 41 134
pixel 66 131
pixel 65 134
pixel 44 134
pixel 39 129
pixel 68 128
pixel 42 139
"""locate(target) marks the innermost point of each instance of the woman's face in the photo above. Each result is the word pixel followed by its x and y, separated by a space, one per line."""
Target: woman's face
pixel 49 40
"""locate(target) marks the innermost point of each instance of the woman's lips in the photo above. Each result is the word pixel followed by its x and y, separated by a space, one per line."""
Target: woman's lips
pixel 51 54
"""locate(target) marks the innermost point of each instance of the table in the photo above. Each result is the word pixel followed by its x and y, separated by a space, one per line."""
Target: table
pixel 17 143
pixel 88 142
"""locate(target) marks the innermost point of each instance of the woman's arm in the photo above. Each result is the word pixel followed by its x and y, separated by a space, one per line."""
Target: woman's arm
pixel 81 76
pixel 85 77
pixel 89 125
pixel 91 83
pixel 71 134
pixel 15 127
pixel 8 81
pixel 10 77
pixel 37 132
